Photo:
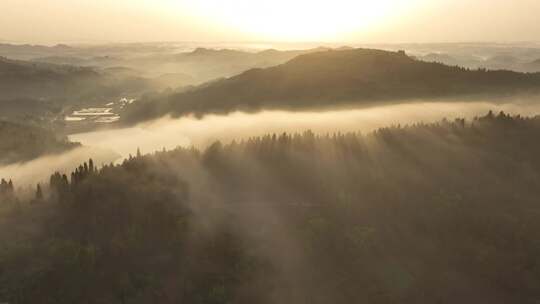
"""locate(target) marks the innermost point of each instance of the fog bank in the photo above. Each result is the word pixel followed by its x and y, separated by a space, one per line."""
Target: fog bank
pixel 39 170
pixel 116 144
pixel 169 133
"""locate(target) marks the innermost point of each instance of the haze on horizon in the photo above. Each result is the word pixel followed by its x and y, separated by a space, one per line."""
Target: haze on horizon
pixel 389 21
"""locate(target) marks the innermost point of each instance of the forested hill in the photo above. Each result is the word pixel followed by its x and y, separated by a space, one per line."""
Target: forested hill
pixel 44 81
pixel 24 79
pixel 19 142
pixel 428 213
pixel 332 78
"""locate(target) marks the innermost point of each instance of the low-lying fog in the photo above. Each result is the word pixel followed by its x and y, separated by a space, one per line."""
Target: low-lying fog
pixel 169 133
pixel 116 144
pixel 39 170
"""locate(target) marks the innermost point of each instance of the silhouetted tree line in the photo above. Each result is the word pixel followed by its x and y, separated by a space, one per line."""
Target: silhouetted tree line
pixel 440 212
pixel 7 191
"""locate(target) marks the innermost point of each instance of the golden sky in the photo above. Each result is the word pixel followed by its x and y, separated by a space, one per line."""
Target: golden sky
pixel 54 21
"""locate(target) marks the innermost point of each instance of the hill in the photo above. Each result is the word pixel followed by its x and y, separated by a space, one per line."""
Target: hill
pixel 336 78
pixel 29 110
pixel 19 142
pixel 20 79
pixel 441 58
pixel 43 81
pixel 536 64
pixel 206 64
pixel 429 213
pixel 27 51
pixel 201 64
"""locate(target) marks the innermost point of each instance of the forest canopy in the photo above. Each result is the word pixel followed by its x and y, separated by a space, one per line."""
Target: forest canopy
pixel 436 212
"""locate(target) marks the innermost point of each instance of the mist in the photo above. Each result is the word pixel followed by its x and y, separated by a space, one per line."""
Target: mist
pixel 241 152
pixel 114 145
pixel 169 133
pixel 316 210
pixel 39 170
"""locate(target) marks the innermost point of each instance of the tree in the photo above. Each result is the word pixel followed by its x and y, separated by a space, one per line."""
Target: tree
pixel 10 186
pixel 39 193
pixel 65 180
pixel 3 187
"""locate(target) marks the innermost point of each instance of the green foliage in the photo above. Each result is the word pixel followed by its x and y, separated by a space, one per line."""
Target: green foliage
pixel 427 213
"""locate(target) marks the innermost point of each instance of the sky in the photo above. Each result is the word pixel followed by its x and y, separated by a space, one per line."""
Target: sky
pixel 357 21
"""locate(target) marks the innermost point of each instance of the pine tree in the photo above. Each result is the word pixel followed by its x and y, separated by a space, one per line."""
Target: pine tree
pixel 3 187
pixel 11 187
pixel 39 193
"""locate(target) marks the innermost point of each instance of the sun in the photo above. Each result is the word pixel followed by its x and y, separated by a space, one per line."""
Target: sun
pixel 296 20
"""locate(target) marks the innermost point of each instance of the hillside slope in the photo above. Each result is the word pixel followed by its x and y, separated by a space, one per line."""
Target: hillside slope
pixel 20 142
pixel 333 78
pixel 43 81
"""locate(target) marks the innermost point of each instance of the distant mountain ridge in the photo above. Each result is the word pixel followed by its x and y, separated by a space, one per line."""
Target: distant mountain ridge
pixel 501 61
pixel 333 78
pixel 46 81
pixel 201 64
pixel 206 64
pixel 20 79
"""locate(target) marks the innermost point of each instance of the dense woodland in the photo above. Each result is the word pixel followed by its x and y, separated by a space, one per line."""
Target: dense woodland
pixel 428 213
pixel 23 142
pixel 43 93
pixel 343 77
pixel 43 83
pixel 62 84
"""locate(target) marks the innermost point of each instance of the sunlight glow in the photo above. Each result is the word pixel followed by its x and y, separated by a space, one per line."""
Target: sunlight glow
pixel 295 20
